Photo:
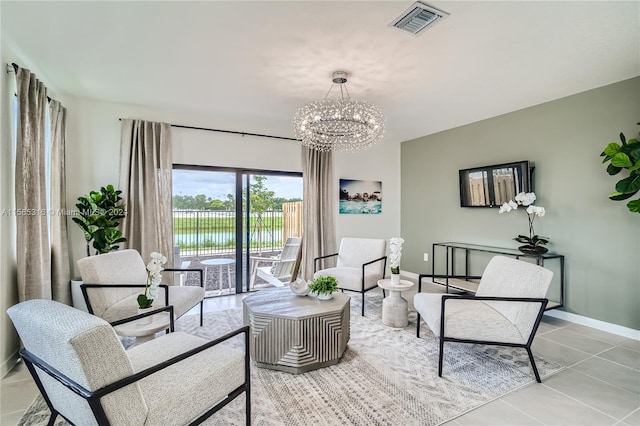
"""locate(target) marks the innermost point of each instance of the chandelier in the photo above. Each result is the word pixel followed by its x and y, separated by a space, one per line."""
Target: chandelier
pixel 339 124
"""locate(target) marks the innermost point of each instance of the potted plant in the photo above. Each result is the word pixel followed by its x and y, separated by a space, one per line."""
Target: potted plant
pixel 99 215
pixel 533 244
pixel 624 156
pixel 395 254
pixel 324 286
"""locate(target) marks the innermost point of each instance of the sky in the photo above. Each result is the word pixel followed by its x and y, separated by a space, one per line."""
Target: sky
pixel 219 184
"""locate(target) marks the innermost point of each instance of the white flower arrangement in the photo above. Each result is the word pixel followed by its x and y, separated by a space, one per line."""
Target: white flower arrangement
pixel 154 277
pixel 533 243
pixel 395 253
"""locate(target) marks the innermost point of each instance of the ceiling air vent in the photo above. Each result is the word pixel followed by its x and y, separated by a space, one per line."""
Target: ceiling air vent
pixel 418 18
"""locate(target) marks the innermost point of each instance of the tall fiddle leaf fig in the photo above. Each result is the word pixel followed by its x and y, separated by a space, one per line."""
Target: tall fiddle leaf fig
pixel 99 215
pixel 624 156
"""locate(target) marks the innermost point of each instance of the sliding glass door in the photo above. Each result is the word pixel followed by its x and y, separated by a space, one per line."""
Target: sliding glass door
pixel 227 221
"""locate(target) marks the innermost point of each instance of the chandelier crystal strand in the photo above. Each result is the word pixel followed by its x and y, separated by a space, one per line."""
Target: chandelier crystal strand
pixel 339 124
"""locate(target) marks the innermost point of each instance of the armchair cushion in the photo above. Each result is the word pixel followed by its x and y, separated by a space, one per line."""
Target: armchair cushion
pixel 350 278
pixel 215 373
pixel 354 252
pixel 183 298
pixel 467 319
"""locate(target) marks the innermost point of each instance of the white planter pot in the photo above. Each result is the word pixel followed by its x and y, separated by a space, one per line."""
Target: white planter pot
pixel 324 296
pixel 395 279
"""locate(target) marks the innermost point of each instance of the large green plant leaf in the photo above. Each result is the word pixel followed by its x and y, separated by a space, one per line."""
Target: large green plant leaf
pixel 613 170
pixel 630 184
pixel 634 206
pixel 612 149
pixel 621 160
pixel 623 139
pixel 618 196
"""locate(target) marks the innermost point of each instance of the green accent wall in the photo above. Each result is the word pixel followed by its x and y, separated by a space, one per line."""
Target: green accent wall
pixel 564 138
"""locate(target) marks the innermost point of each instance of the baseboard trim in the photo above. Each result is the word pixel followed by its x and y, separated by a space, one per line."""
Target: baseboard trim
pixel 9 363
pixel 619 330
pixel 594 323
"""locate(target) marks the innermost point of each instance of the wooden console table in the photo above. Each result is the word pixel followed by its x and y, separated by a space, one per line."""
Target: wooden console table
pixel 465 282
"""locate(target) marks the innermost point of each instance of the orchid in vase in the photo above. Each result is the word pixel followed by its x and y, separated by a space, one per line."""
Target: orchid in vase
pixel 533 243
pixel 154 277
pixel 395 253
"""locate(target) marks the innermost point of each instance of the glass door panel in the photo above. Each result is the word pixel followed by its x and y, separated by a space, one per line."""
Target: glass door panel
pixel 204 228
pixel 230 222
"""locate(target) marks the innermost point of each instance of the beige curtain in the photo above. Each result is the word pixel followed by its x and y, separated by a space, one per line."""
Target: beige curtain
pixel 60 269
pixel 319 207
pixel 33 255
pixel 145 178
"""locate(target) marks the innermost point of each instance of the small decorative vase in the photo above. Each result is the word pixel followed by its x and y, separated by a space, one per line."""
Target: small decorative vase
pixel 533 249
pixel 324 296
pixel 395 279
pixel 145 320
pixel 299 287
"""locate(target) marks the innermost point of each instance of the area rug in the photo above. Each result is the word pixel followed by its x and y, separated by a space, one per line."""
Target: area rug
pixel 387 376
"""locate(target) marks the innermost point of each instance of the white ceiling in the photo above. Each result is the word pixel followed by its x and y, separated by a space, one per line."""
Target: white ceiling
pixel 257 62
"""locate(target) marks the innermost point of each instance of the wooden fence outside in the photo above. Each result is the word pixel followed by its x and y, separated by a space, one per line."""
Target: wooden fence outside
pixel 291 220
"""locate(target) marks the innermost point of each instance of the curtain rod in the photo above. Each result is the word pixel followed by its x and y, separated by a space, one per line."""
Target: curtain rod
pixel 231 131
pixel 13 68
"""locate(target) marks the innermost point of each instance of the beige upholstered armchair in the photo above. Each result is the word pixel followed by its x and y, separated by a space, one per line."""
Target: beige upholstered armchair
pixel 360 264
pixel 86 376
pixel 506 309
pixel 112 282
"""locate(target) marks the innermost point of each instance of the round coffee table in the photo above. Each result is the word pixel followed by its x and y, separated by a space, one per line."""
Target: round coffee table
pixel 395 309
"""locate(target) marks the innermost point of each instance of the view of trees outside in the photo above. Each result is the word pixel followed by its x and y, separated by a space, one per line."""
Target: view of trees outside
pixel 262 199
pixel 203 222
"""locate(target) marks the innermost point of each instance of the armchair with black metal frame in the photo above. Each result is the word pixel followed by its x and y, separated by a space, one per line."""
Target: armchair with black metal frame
pixel 85 375
pixel 505 311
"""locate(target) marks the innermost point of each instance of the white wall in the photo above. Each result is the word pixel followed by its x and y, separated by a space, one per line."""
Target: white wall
pixel 93 144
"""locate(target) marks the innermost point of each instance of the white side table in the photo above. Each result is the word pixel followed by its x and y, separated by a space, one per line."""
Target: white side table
pixel 395 309
pixel 144 331
pixel 219 263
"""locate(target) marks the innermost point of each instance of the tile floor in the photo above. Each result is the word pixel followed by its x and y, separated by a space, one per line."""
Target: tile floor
pixel 600 386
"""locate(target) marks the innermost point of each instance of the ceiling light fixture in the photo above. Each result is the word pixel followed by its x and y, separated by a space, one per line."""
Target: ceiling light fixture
pixel 339 124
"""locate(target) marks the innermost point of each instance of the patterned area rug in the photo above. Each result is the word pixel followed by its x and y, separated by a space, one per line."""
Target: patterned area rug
pixel 387 376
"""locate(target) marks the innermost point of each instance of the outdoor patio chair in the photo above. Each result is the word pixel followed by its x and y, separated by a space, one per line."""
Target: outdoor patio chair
pixel 361 263
pixel 86 376
pixel 279 271
pixel 113 281
pixel 505 311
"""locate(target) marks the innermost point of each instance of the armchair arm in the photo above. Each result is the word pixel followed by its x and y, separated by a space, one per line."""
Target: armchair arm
pixel 543 305
pixel 315 261
pixel 199 270
pixel 384 266
pixel 93 398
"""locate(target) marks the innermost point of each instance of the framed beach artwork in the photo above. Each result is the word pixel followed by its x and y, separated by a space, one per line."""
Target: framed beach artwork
pixel 360 196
